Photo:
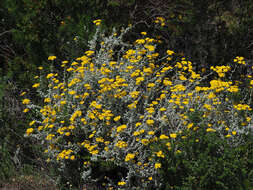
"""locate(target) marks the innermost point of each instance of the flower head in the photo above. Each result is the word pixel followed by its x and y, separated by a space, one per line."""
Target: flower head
pixel 26 101
pixel 51 58
pixel 97 22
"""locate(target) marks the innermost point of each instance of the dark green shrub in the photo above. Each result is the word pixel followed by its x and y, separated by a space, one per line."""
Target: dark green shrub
pixel 207 162
pixel 7 167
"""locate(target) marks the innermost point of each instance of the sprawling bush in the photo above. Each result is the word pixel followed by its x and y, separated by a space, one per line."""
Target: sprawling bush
pixel 30 30
pixel 124 107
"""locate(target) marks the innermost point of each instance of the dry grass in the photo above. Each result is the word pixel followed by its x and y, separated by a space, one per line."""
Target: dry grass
pixel 28 183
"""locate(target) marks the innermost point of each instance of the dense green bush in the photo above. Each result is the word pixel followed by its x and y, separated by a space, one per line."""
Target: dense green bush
pixel 7 166
pixel 208 162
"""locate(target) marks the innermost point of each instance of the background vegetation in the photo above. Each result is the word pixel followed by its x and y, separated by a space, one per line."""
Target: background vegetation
pixel 206 32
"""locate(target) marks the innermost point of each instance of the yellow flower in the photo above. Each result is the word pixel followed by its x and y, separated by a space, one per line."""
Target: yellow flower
pixel 207 106
pixel 136 133
pixel 140 41
pixel 121 144
pixel 190 125
pixel 150 47
pixel 99 139
pixel 147 70
pixel 168 145
pixel 173 135
pixel 29 131
pixel 72 157
pixel 71 127
pixel 150 122
pixel 47 100
pixel 134 94
pixel 210 130
pixel 160 154
pixel 50 75
pixel 72 92
pixel 169 52
pixel 167 82
pixel 117 118
pixel 97 22
pixel 129 156
pixel 121 183
pixel 138 124
pixel 63 102
pixel 26 101
pixel 239 60
pixel 133 105
pixel 89 52
pixel 158 165
pixel 94 152
pixel 145 141
pixel 121 128
pixel 242 107
pixel 150 85
pixel 31 123
pixel 139 80
pixel 51 58
pixel 36 85
pixel 163 137
pixel 150 110
pixel 23 93
pixel 182 77
pixel 40 128
pixel 26 110
pixel 67 134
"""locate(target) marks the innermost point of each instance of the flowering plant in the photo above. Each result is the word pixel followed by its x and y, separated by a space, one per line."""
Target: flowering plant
pixel 118 100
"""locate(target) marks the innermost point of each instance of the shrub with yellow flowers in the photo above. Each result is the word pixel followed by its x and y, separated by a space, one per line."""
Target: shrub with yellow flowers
pixel 122 102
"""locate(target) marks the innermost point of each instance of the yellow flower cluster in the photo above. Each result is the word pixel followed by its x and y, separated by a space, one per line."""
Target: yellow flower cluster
pixel 117 109
pixel 221 70
pixel 97 22
pixel 129 157
pixel 51 58
pixel 240 60
pixel 26 101
pixel 242 107
pixel 29 131
pixel 160 154
pixel 121 128
pixel 160 20
pixel 121 144
pixel 158 165
pixel 65 154
pixel 121 183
